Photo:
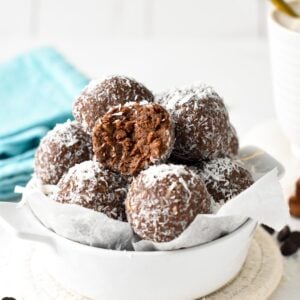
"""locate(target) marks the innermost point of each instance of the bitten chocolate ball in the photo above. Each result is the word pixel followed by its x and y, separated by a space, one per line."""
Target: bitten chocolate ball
pixel 90 185
pixel 129 138
pixel 99 96
pixel 163 200
pixel 63 147
pixel 225 178
pixel 201 120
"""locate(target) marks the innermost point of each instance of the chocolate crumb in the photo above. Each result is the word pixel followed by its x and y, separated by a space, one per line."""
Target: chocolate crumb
pixel 284 233
pixel 288 248
pixel 267 228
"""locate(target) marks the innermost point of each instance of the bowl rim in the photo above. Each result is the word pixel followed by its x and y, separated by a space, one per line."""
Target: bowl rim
pixel 97 250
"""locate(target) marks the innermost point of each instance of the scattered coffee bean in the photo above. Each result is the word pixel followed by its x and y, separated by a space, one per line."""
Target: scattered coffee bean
pixel 284 233
pixel 8 298
pixel 267 228
pixel 288 248
pixel 295 238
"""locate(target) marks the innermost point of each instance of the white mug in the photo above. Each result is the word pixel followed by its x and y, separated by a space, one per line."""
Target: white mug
pixel 284 37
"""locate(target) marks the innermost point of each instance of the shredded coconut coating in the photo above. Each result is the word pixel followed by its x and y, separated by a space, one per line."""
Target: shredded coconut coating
pixel 163 200
pixel 90 185
pixel 233 143
pixel 225 178
pixel 201 120
pixel 63 147
pixel 100 95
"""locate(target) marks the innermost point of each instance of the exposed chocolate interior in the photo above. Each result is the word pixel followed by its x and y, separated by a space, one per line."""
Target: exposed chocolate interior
pixel 129 138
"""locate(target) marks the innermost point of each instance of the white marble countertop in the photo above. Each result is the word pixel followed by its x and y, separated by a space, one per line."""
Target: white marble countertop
pixel 239 69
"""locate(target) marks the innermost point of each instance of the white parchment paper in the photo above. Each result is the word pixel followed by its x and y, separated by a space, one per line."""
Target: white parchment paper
pixel 77 223
pixel 262 202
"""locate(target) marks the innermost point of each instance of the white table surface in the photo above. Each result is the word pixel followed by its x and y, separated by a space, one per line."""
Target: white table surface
pixel 239 70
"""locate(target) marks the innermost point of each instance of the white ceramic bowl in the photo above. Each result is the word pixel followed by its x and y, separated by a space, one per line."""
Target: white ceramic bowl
pixel 285 62
pixel 109 274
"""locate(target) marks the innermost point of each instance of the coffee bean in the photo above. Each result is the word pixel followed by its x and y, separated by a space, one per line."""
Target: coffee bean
pixel 8 298
pixel 267 228
pixel 295 238
pixel 288 248
pixel 284 233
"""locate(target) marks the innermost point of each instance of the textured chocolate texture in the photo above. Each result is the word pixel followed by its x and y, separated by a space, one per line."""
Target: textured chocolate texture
pixel 63 147
pixel 163 200
pixel 90 185
pixel 129 138
pixel 225 178
pixel 100 95
pixel 203 129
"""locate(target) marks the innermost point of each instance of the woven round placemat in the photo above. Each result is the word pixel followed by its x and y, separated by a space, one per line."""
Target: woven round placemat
pixel 260 274
pixel 257 280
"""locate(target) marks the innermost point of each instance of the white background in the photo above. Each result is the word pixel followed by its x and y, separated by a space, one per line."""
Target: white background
pixel 161 43
pixel 132 18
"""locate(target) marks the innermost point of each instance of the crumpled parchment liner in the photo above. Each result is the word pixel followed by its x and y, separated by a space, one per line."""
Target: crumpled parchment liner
pixel 263 202
pixel 77 223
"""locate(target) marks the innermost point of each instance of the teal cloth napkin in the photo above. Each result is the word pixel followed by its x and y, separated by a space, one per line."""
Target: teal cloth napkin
pixel 36 92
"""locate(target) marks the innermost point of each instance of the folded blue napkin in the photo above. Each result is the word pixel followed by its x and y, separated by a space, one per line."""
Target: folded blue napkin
pixel 36 92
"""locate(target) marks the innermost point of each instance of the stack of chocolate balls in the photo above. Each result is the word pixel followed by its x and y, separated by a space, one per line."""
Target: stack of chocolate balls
pixel 155 162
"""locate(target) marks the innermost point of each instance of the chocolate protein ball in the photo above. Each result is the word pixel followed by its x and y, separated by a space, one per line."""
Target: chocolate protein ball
pixel 89 185
pixel 225 178
pixel 63 147
pixel 100 95
pixel 233 143
pixel 201 121
pixel 163 200
pixel 130 137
